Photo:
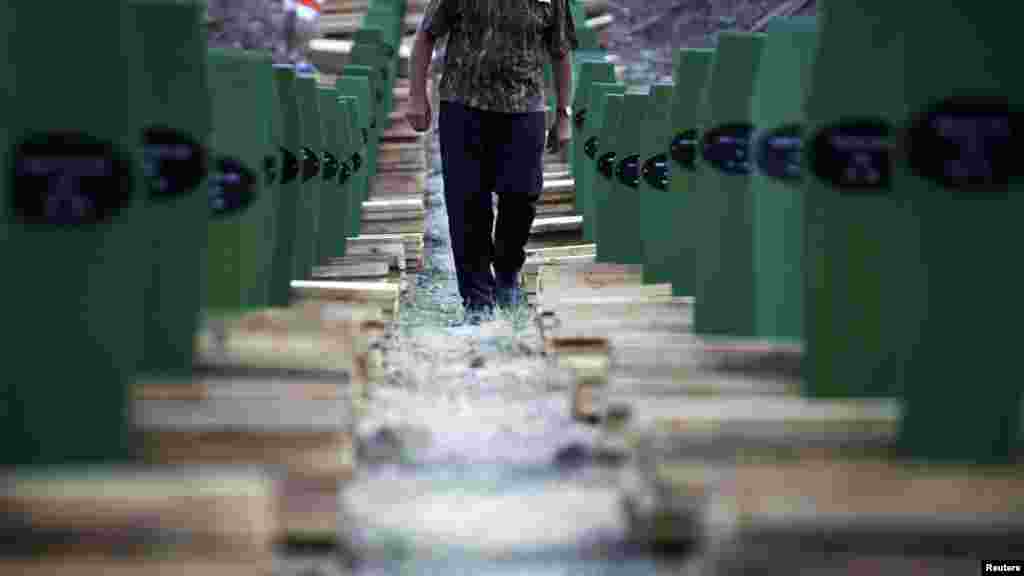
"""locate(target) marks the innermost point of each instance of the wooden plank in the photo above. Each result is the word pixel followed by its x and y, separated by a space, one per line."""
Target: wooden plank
pixel 338 270
pixel 561 224
pixel 392 250
pixel 393 216
pixel 411 226
pixel 284 339
pixel 226 513
pixel 400 184
pixel 168 564
pixel 563 251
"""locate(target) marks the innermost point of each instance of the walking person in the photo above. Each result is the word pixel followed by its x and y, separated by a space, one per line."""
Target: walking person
pixel 493 129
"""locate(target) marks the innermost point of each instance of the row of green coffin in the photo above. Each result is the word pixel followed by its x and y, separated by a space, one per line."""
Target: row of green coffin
pixel 212 180
pixel 818 184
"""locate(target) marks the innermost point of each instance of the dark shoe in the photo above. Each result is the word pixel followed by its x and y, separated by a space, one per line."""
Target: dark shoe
pixel 506 293
pixel 475 315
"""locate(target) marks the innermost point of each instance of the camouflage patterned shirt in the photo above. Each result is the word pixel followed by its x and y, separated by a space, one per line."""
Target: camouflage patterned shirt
pixel 496 49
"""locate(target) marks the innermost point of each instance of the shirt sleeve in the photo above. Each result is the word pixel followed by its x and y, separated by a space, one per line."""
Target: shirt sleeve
pixel 437 18
pixel 561 36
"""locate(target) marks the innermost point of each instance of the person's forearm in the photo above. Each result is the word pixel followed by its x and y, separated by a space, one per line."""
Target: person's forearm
pixel 563 79
pixel 422 52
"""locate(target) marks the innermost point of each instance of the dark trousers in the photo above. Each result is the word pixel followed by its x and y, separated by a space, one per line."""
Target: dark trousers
pixel 484 152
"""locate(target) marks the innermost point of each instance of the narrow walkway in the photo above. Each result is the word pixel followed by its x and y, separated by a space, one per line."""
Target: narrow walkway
pixel 465 449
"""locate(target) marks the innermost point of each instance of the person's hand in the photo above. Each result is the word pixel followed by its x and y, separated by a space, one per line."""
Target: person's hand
pixel 419 115
pixel 559 135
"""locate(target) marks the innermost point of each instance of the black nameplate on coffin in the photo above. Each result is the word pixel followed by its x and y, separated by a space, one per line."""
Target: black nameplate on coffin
pixel 173 163
pixel 580 118
pixel 290 166
pixel 966 144
pixel 780 152
pixel 269 170
pixel 606 165
pixel 357 162
pixel 590 146
pixel 655 171
pixel 854 155
pixel 684 149
pixel 310 164
pixel 232 187
pixel 727 148
pixel 68 179
pixel 628 170
pixel 344 173
pixel 330 168
pixel 366 136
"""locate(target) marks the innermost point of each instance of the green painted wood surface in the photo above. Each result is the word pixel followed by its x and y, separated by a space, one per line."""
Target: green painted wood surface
pixel 368 114
pixel 620 241
pixel 590 183
pixel 722 202
pixel 971 286
pixel 334 206
pixel 658 229
pixel 73 329
pixel 692 67
pixel 604 218
pixel 589 73
pixel 359 85
pixel 370 55
pixel 308 227
pixel 931 266
pixel 779 98
pixel 352 142
pixel 174 55
pixel 861 249
pixel 289 190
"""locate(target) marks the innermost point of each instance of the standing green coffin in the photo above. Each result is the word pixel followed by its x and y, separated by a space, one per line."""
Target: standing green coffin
pixel 692 66
pixel 357 83
pixel 862 259
pixel 73 230
pixel 777 111
pixel 605 219
pixel 589 74
pixel 241 230
pixel 308 222
pixel 723 198
pixel 659 232
pixel 590 183
pixel 369 113
pixel 334 205
pixel 354 167
pixel 620 241
pixel 934 244
pixel 289 185
pixel 177 131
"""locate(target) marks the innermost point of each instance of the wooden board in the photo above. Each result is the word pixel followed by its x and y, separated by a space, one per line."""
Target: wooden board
pixel 394 251
pixel 562 251
pixel 410 226
pixel 555 225
pixel 226 513
pixel 339 269
pixel 282 339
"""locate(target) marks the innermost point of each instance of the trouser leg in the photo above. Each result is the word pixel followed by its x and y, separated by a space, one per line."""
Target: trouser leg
pixel 468 172
pixel 520 181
